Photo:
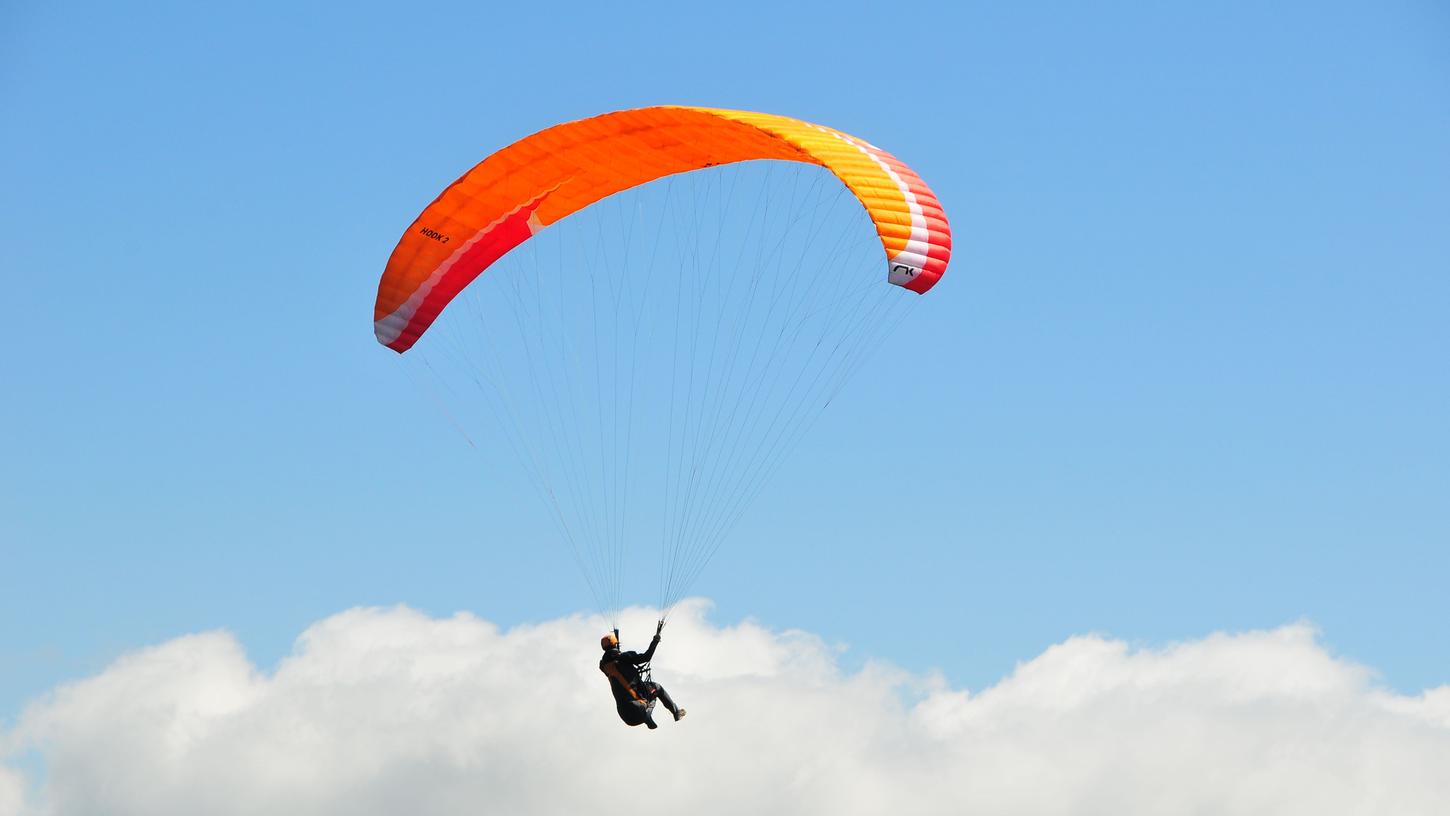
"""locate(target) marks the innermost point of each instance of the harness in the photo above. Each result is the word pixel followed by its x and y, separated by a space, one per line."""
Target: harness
pixel 645 672
pixel 646 677
pixel 642 692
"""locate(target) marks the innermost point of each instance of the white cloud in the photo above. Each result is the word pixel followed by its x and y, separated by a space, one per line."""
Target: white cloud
pixel 388 711
pixel 11 791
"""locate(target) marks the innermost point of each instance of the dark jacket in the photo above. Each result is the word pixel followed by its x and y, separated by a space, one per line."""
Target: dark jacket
pixel 631 697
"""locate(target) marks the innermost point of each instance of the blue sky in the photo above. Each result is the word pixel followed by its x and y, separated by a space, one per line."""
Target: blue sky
pixel 1189 359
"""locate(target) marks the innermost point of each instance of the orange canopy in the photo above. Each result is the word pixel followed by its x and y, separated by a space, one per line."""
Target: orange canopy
pixel 540 179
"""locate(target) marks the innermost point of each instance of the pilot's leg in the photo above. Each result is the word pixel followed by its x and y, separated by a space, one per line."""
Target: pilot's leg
pixel 664 697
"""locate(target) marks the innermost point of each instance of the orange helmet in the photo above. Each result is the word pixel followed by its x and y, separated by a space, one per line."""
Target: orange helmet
pixel 608 642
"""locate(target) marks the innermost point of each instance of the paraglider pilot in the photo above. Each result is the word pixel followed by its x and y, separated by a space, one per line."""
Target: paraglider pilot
pixel 634 696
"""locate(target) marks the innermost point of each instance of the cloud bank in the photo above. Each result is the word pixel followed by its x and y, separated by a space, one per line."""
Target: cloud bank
pixel 389 711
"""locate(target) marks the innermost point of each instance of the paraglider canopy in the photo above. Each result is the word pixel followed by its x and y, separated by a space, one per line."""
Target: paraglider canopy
pixel 538 180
